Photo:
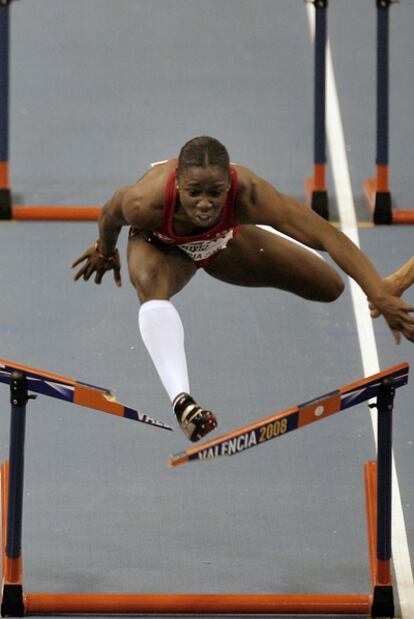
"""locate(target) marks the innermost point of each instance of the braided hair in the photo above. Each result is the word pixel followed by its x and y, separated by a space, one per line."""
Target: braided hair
pixel 203 151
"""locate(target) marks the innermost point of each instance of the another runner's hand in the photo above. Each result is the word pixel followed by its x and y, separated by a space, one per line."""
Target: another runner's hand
pixel 392 287
pixel 99 264
pixel 399 316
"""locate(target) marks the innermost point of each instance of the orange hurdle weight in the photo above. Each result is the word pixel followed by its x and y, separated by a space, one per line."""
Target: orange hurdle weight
pixel 55 213
pixel 400 216
pixel 187 603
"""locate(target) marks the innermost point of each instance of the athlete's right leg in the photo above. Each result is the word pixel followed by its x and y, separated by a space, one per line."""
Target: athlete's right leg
pixel 157 272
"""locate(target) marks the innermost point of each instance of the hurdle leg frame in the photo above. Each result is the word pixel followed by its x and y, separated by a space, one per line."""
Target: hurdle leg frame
pixel 315 187
pixel 377 190
pixel 378 501
pixel 7 209
pixel 379 506
pixel 12 475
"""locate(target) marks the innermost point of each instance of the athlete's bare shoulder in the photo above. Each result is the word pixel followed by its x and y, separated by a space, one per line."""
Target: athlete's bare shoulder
pixel 253 195
pixel 245 176
pixel 152 183
pixel 248 184
pixel 143 201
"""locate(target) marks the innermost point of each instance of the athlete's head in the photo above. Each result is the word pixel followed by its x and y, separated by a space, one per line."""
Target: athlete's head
pixel 203 180
pixel 202 152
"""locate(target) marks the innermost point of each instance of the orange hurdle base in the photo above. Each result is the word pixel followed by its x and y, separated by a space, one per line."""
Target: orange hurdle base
pixel 5 193
pixel 379 201
pixel 165 603
pixel 15 603
pixel 55 213
pixel 5 203
pixel 400 216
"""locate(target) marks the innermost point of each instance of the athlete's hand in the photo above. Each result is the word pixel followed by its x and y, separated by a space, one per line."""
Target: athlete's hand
pixel 398 314
pixel 95 262
pixel 392 286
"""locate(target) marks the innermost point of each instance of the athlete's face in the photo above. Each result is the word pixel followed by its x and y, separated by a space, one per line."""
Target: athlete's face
pixel 203 193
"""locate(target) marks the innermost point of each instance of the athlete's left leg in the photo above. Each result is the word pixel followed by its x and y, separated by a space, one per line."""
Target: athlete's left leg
pixel 158 272
pixel 258 258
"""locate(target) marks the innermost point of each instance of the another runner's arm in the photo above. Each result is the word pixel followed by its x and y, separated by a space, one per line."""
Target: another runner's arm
pixel 403 278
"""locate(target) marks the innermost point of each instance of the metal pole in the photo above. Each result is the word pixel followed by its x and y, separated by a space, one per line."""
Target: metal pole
pixel 315 187
pixel 383 601
pixel 382 81
pixel 320 81
pixel 385 406
pixel 12 604
pixel 18 393
pixel 5 195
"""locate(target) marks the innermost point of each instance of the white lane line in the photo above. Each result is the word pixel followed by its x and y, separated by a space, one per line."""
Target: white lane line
pixel 346 206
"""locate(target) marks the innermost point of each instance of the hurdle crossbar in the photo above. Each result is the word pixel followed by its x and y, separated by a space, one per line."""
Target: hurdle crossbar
pixel 74 391
pixel 279 424
pixel 379 603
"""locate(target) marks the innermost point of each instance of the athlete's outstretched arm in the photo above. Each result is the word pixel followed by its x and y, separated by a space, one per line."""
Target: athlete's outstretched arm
pixel 403 278
pixel 263 204
pixel 103 256
pixel 137 205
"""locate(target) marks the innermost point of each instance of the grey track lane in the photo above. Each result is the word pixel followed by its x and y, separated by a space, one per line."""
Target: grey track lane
pixel 127 83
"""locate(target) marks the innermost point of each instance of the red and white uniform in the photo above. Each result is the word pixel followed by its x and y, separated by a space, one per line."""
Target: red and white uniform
pixel 203 247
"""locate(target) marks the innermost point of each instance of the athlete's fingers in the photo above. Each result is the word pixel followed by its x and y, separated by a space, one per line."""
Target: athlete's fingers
pixel 409 332
pixel 79 274
pixel 81 258
pixel 98 277
pixel 117 276
pixel 89 270
pixel 374 312
pixel 397 336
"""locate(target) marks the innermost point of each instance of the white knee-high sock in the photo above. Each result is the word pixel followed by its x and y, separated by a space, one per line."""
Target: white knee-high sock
pixel 163 335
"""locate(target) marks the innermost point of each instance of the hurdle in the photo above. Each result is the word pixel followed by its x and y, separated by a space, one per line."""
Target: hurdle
pixel 376 190
pixel 379 603
pixel 8 210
